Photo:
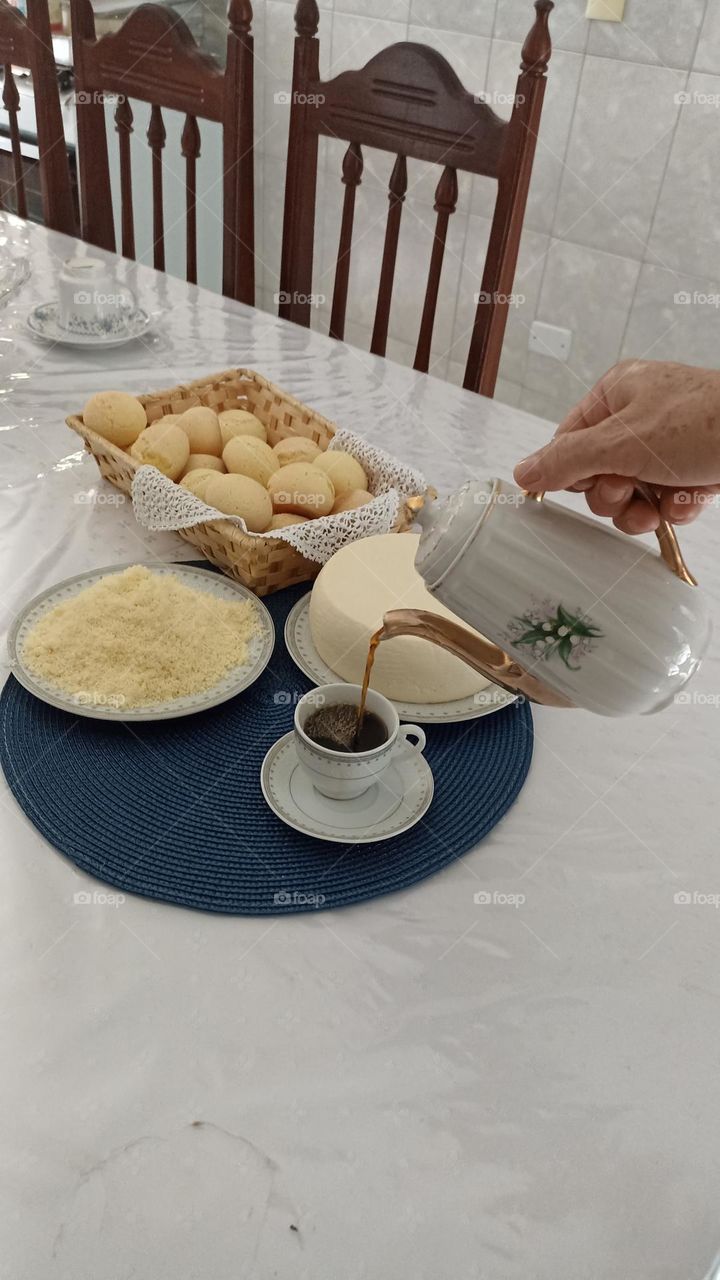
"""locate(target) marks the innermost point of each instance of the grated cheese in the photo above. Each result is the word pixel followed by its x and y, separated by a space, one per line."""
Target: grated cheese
pixel 139 637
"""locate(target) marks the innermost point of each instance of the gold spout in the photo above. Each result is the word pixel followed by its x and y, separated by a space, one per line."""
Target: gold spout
pixel 481 654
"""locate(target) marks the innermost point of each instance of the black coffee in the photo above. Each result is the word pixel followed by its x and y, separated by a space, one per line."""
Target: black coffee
pixel 337 729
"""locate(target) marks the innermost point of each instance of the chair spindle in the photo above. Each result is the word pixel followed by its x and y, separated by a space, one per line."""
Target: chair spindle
pixel 397 188
pixel 190 145
pixel 446 195
pixel 11 103
pixel 156 138
pixel 352 177
pixel 123 128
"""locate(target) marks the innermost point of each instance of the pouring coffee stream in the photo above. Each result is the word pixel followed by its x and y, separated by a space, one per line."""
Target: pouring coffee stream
pixel 481 654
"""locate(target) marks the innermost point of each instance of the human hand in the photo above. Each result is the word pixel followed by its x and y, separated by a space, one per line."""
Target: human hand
pixel 646 420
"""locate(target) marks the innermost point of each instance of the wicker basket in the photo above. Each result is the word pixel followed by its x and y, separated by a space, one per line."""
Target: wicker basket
pixel 264 564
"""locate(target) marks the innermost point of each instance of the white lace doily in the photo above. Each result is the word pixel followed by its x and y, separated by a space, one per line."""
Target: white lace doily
pixel 160 504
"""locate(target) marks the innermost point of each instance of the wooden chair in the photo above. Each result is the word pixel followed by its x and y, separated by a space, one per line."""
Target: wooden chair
pixel 27 42
pixel 154 58
pixel 408 100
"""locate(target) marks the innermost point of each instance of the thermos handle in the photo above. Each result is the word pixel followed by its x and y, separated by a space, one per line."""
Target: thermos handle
pixel 665 534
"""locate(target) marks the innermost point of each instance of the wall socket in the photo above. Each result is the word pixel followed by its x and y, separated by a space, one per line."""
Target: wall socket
pixel 549 340
pixel 606 10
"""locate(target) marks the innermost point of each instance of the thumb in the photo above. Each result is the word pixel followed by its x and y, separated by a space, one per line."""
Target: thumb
pixel 578 455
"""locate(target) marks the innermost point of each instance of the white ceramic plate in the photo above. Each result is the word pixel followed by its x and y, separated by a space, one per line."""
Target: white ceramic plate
pixel 300 646
pixel 43 323
pixel 391 805
pixel 261 647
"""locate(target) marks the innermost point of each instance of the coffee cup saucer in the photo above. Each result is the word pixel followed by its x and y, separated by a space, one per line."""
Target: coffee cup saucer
pixel 392 804
pixel 130 323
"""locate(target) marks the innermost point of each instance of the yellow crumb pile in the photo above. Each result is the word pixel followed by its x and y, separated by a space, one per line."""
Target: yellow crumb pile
pixel 139 637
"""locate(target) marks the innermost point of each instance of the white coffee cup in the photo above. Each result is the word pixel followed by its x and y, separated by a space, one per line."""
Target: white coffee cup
pixel 339 774
pixel 89 296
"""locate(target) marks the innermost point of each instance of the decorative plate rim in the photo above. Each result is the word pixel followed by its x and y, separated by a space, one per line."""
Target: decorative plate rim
pixel 224 689
pixel 419 712
pixel 361 835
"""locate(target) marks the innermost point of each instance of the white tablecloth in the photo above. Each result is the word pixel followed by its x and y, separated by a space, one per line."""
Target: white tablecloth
pixel 420 1087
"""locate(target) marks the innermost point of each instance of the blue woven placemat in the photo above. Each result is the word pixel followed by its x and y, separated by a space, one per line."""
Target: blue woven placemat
pixel 174 810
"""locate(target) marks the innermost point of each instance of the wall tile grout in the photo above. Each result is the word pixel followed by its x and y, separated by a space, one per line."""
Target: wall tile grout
pixel 468 214
pixel 661 186
pixel 552 239
pixel 494 23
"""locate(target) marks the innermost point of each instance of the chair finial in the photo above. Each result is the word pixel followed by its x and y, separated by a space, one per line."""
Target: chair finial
pixel 240 16
pixel 156 134
pixel 446 192
pixel 537 49
pixel 190 140
pixel 10 94
pixel 307 18
pixel 397 186
pixel 352 166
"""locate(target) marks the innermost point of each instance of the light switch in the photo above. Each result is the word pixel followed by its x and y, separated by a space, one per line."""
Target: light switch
pixel 550 340
pixel 606 10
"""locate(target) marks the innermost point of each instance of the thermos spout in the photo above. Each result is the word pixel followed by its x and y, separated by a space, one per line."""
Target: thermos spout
pixel 481 654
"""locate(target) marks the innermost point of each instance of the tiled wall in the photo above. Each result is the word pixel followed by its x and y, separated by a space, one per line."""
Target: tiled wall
pixel 623 221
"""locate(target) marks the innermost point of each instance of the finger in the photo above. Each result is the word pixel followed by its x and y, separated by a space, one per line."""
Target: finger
pixel 608 449
pixel 638 517
pixel 610 495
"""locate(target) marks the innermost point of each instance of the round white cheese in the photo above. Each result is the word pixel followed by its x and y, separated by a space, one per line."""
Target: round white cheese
pixel 353 590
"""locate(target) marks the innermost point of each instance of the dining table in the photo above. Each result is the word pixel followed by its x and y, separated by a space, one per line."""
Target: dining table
pixel 509 1071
